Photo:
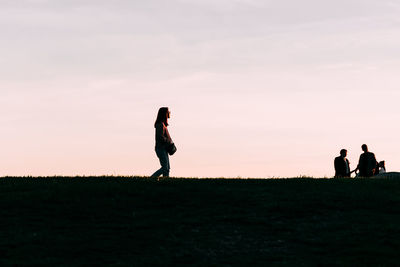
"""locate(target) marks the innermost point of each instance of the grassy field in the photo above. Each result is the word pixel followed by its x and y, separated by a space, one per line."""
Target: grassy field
pixel 201 222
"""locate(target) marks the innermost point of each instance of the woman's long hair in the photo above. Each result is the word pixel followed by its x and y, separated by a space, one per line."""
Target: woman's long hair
pixel 162 116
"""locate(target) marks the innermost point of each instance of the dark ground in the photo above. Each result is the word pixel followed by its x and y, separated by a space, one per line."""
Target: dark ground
pixel 214 222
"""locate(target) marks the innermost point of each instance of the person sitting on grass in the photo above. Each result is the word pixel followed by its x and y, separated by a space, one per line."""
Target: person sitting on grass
pixel 381 167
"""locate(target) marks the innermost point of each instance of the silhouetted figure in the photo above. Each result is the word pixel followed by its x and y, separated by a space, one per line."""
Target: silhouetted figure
pixel 342 165
pixel 367 164
pixel 163 140
pixel 381 167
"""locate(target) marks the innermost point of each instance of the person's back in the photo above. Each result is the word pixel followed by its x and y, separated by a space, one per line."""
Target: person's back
pixel 367 163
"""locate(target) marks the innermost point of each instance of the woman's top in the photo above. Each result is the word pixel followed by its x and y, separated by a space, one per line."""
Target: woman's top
pixel 162 136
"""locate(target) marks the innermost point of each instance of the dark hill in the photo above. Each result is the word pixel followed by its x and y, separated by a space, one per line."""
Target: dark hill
pixel 207 222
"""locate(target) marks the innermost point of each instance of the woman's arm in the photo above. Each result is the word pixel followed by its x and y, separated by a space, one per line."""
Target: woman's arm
pixel 169 139
pixel 160 133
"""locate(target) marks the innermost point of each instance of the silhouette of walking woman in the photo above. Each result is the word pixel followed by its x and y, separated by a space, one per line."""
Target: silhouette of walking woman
pixel 163 141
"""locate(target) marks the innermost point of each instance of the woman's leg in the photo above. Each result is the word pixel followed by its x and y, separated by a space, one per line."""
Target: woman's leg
pixel 164 161
pixel 166 167
pixel 162 155
pixel 157 173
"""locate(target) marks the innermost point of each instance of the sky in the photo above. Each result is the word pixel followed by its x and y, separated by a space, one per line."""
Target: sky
pixel 256 88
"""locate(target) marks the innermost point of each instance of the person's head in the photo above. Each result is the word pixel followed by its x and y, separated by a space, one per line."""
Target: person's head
pixel 343 153
pixel 163 116
pixel 382 164
pixel 364 148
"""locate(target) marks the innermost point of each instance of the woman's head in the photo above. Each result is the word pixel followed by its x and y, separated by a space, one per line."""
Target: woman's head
pixel 163 116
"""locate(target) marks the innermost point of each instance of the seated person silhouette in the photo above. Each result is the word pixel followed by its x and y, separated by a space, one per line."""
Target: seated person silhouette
pixel 385 174
pixel 381 167
pixel 367 164
pixel 342 165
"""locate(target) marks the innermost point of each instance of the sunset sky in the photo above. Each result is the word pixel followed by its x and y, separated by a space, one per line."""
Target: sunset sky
pixel 256 88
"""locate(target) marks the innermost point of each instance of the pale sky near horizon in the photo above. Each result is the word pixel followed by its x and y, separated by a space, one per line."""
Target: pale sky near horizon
pixel 256 88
